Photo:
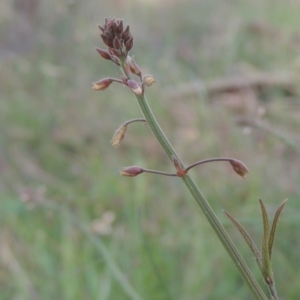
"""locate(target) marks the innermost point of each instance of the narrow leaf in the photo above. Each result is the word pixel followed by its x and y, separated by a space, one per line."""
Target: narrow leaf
pixel 274 226
pixel 247 238
pixel 265 219
pixel 266 262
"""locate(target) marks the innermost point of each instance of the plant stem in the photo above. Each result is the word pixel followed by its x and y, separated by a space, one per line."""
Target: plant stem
pixel 273 292
pixel 209 160
pixel 159 172
pixel 202 202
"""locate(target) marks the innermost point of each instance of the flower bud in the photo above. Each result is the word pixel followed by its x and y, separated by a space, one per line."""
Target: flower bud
pixel 118 26
pixel 126 33
pixel 107 41
pixel 117 43
pixel 101 28
pixel 129 43
pixel 148 80
pixel 134 67
pixel 102 84
pixel 239 167
pixel 104 54
pixel 133 85
pixel 131 171
pixel 118 136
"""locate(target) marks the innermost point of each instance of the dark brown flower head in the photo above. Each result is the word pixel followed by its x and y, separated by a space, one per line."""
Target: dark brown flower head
pixel 119 42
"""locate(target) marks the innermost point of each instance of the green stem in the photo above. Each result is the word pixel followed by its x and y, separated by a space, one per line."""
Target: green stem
pixel 202 202
pixel 209 160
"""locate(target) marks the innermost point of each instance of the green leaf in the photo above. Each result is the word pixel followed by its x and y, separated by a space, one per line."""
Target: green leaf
pixel 247 238
pixel 274 226
pixel 266 262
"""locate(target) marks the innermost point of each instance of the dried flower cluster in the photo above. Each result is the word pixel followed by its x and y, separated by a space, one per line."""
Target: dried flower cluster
pixel 119 42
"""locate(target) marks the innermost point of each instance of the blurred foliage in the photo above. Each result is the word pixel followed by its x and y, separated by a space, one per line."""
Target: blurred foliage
pixel 60 192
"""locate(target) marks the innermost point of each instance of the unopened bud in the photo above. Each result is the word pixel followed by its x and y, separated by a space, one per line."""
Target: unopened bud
pixel 117 43
pixel 118 26
pixel 101 28
pixel 118 136
pixel 133 85
pixel 107 41
pixel 239 167
pixel 129 43
pixel 148 80
pixel 104 54
pixel 134 67
pixel 131 171
pixel 102 84
pixel 126 33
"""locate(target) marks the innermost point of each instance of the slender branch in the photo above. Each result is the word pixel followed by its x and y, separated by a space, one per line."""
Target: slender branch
pixel 135 120
pixel 159 172
pixel 117 80
pixel 201 162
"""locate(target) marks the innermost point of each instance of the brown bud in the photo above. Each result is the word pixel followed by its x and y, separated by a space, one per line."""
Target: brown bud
pixel 129 44
pixel 134 67
pixel 118 26
pixel 101 28
pixel 102 84
pixel 114 52
pixel 134 86
pixel 239 167
pixel 131 171
pixel 117 43
pixel 148 80
pixel 118 136
pixel 108 42
pixel 104 54
pixel 126 33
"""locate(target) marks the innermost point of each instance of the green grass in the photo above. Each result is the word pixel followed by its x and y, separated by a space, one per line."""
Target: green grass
pixel 55 151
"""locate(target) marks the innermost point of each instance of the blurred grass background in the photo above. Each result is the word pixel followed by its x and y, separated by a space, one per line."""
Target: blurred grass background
pixel 71 227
